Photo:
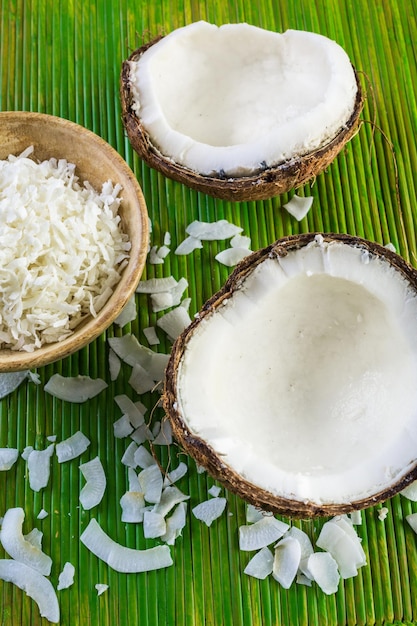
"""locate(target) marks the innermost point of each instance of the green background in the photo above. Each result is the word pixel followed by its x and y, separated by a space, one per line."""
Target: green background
pixel 64 58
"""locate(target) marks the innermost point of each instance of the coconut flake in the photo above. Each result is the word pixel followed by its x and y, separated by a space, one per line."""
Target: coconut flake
pixel 176 474
pixel 261 534
pixel 164 436
pixel 143 458
pixel 34 537
pixel 410 492
pixel 151 336
pixel 72 447
pixel 42 514
pixel 232 256
pixel 287 558
pixel 211 231
pixel 240 241
pixel 174 322
pixel 142 434
pixel 299 206
pixel 153 256
pixel 305 545
pixel 18 547
pixel 39 467
pixel 175 524
pixel 11 381
pixel 26 451
pixel 253 514
pixel 171 496
pixel 382 513
pixel 34 584
pixel 412 521
pixel 121 558
pixel 128 313
pixel 101 588
pixel 128 457
pixel 151 483
pixel 344 549
pixel 156 285
pixel 188 245
pixel 66 577
pixel 131 352
pixel 114 365
pixel 356 518
pixel 134 412
pixel 75 389
pixel 214 491
pixel 93 491
pixel 122 427
pixel 209 510
pixel 161 301
pixel 8 457
pixel 154 525
pixel 133 480
pixel 323 569
pixel 140 380
pixel 261 564
pixel 133 507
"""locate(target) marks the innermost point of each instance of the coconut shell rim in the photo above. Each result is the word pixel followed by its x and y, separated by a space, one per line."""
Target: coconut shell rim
pixel 262 184
pixel 205 455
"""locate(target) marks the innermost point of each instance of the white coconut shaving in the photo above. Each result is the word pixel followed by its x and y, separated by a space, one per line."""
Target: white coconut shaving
pixel 93 491
pixel 36 586
pixel 133 507
pixel 39 467
pixel 101 588
pixel 11 381
pixel 72 447
pixel 232 256
pixel 174 322
pixel 299 206
pixel 74 389
pixel 66 577
pixel 188 245
pixel 175 524
pixel 287 556
pixel 121 558
pixel 128 313
pixel 61 249
pixel 209 510
pixel 18 547
pixel 261 564
pixel 262 533
pixel 8 457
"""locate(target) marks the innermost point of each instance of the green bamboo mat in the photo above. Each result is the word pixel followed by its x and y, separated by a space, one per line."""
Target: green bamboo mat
pixel 64 57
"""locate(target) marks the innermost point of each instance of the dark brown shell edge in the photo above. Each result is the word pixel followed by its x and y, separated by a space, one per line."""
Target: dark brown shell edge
pixel 264 184
pixel 204 454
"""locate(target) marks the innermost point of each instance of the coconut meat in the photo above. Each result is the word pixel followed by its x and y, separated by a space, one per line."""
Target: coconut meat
pixel 233 99
pixel 305 379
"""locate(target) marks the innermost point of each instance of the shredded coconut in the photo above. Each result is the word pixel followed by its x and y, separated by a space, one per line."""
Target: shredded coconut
pixel 61 250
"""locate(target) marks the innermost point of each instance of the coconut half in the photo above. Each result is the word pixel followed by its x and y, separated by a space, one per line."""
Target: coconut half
pixel 296 384
pixel 239 112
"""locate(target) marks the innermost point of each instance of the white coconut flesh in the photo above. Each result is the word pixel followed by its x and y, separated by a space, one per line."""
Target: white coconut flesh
pixel 232 99
pixel 304 380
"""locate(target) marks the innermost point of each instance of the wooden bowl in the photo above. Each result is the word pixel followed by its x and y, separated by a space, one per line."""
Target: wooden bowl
pixel 96 162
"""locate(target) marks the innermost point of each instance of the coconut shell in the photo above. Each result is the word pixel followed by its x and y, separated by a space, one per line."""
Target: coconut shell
pixel 261 185
pixel 203 453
